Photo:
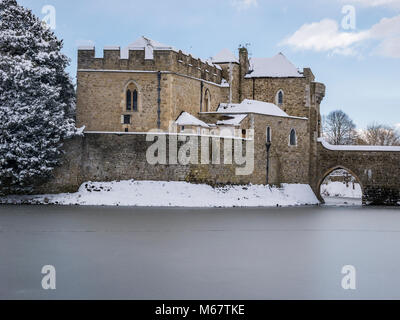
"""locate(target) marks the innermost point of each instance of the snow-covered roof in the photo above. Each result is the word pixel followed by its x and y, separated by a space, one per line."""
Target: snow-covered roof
pixel 146 44
pixel 186 119
pixel 358 148
pixel 276 67
pixel 253 106
pixel 225 56
pixel 235 120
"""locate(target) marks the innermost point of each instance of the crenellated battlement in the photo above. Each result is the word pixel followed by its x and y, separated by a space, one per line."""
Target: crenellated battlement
pixel 144 59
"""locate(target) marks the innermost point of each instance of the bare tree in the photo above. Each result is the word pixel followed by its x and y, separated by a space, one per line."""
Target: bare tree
pixel 339 129
pixel 381 135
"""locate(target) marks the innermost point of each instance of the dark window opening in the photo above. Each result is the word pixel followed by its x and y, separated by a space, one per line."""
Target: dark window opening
pixel 135 101
pixel 127 119
pixel 129 100
pixel 280 97
pixel 293 138
pixel 126 130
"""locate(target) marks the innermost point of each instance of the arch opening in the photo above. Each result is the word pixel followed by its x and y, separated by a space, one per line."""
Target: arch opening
pixel 341 187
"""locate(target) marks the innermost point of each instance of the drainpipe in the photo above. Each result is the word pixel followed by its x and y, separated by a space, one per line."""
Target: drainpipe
pixel 201 96
pixel 268 144
pixel 159 101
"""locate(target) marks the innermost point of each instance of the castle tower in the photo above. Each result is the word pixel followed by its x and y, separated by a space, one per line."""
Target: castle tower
pixel 230 71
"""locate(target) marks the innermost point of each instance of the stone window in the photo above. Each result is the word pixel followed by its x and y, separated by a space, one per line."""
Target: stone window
pixel 127 119
pixel 293 138
pixel 279 98
pixel 131 98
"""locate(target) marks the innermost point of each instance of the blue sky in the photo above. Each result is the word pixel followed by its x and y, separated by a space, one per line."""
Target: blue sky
pixel 360 66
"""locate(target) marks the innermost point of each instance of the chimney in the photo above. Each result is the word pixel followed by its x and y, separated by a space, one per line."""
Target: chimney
pixel 244 61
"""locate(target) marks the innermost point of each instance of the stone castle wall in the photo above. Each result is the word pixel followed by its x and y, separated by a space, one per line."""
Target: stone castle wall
pixel 118 156
pixel 163 60
pixel 377 171
pixel 101 99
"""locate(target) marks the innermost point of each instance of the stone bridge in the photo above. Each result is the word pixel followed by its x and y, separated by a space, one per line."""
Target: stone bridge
pixel 376 168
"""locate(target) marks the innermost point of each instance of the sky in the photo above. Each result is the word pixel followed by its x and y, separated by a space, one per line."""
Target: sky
pixel 352 46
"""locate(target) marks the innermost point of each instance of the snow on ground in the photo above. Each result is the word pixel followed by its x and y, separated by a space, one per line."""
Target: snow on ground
pixel 175 194
pixel 339 189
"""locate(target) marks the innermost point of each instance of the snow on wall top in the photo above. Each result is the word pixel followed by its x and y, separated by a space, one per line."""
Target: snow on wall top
pixel 186 119
pixel 276 67
pixel 147 45
pixel 234 120
pixel 225 56
pixel 328 146
pixel 254 106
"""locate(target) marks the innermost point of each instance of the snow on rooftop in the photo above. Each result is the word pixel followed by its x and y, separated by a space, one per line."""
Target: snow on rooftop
pixel 146 44
pixel 186 119
pixel 277 67
pixel 225 56
pixel 328 146
pixel 234 120
pixel 253 106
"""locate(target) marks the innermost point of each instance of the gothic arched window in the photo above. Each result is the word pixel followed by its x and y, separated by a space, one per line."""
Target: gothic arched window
pixel 279 98
pixel 293 138
pixel 132 98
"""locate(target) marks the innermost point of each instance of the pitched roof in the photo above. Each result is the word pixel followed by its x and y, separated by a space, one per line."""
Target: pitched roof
pixel 225 56
pixel 276 67
pixel 186 119
pixel 234 120
pixel 253 106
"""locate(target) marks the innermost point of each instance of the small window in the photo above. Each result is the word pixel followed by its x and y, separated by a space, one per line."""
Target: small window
pixel 132 98
pixel 268 134
pixel 279 98
pixel 293 138
pixel 127 119
pixel 126 130
pixel 244 133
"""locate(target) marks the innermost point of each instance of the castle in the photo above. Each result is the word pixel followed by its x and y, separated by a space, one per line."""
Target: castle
pixel 149 85
pixel 266 103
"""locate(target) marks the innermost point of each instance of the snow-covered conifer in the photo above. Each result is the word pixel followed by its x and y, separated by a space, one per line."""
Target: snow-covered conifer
pixel 37 99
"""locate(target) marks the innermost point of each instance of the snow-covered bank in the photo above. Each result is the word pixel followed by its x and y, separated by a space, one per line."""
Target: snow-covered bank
pixel 339 189
pixel 175 194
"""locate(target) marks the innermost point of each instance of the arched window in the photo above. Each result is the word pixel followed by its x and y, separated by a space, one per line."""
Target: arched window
pixel 207 101
pixel 128 100
pixel 268 134
pixel 293 138
pixel 279 98
pixel 135 101
pixel 132 98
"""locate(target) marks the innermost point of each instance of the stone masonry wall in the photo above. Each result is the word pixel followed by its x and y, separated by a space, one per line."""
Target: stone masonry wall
pixel 377 171
pixel 101 99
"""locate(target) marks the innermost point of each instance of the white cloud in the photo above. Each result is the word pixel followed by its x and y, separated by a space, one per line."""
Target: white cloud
pixel 326 36
pixel 244 4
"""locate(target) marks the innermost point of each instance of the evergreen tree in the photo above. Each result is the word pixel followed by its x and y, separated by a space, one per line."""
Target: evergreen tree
pixel 37 99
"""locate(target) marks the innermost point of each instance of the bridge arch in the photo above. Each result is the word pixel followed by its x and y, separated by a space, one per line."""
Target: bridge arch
pixel 331 170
